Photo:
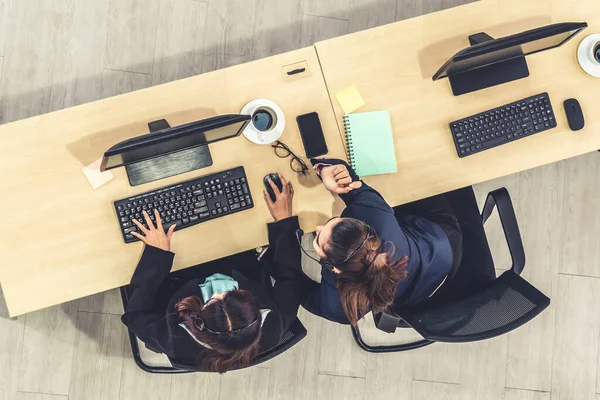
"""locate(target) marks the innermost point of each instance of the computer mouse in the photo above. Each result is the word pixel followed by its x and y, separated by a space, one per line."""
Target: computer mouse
pixel 574 114
pixel 275 178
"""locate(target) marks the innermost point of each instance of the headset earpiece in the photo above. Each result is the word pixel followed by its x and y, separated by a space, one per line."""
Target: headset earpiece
pixel 199 322
pixel 326 264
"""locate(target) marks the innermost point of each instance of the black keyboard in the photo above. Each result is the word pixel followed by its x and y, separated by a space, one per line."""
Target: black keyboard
pixel 187 203
pixel 503 124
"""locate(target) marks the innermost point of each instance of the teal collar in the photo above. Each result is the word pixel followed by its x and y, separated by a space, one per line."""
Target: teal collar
pixel 215 284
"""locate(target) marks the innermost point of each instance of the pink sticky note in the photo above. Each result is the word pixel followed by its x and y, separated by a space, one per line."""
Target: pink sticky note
pixel 94 176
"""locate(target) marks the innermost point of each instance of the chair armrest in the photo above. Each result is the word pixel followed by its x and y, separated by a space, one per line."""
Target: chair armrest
pixel 501 199
pixel 387 348
pixel 135 348
pixel 387 321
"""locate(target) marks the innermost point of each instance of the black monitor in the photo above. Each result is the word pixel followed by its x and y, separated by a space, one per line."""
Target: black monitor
pixel 168 151
pixel 489 62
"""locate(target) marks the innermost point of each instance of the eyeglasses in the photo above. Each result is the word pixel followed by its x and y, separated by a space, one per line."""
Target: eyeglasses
pixel 296 164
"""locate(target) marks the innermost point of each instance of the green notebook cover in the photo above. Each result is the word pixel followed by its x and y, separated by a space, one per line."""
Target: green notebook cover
pixel 370 143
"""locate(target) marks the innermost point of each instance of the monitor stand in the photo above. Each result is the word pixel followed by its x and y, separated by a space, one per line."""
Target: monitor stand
pixel 169 164
pixel 491 75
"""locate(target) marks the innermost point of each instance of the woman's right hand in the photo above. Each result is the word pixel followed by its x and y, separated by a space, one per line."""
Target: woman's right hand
pixel 281 208
pixel 337 179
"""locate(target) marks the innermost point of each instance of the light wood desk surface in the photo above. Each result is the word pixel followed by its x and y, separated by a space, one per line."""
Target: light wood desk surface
pixel 61 239
pixel 392 66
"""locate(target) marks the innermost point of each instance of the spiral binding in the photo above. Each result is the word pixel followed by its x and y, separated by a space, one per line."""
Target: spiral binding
pixel 349 146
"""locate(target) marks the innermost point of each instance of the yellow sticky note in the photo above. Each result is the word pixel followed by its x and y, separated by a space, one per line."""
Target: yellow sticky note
pixel 350 99
pixel 94 176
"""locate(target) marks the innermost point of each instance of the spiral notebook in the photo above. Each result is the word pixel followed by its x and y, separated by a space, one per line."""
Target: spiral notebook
pixel 370 143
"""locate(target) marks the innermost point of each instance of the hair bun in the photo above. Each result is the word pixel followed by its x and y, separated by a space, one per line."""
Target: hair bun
pixel 374 257
pixel 380 260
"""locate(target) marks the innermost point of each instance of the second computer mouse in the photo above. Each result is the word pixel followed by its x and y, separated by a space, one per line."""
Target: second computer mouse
pixel 574 114
pixel 276 181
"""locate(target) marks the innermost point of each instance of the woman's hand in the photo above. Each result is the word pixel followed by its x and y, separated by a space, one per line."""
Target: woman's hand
pixel 337 179
pixel 282 207
pixel 154 236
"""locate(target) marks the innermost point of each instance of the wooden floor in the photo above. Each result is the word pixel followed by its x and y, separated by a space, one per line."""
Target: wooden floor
pixel 60 53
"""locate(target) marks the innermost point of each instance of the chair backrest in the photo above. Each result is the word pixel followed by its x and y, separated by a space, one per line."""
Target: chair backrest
pixel 295 334
pixel 474 305
pixel 505 304
pixel 477 265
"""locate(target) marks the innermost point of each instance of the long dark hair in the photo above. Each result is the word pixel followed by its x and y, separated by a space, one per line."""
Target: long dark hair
pixel 371 275
pixel 231 326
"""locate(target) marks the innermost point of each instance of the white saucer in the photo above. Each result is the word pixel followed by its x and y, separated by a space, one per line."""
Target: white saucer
pixel 266 137
pixel 585 55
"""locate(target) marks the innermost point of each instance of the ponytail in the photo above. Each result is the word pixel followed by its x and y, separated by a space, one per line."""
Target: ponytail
pixel 384 275
pixel 371 276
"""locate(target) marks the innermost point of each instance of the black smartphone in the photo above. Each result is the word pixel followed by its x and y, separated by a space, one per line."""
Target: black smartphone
pixel 312 134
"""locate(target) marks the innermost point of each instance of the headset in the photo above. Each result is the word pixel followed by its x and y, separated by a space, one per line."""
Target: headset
pixel 324 263
pixel 201 326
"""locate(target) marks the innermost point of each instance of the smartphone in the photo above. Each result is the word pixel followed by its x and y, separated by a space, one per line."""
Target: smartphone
pixel 312 134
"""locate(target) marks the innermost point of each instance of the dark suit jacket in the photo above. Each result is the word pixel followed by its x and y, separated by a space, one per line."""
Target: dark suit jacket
pixel 157 325
pixel 423 241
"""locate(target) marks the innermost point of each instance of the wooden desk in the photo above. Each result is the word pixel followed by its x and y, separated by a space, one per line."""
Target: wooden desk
pixel 392 67
pixel 61 240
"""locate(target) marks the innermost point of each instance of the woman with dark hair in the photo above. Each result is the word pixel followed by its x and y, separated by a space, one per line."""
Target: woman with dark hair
pixel 222 314
pixel 373 258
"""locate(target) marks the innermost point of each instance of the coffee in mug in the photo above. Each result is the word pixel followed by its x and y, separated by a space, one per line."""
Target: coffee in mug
pixel 263 120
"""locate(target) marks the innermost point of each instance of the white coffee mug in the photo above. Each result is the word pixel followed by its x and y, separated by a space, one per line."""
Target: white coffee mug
pixel 274 129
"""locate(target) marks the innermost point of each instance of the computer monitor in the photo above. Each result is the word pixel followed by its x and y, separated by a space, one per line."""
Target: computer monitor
pixel 168 151
pixel 489 62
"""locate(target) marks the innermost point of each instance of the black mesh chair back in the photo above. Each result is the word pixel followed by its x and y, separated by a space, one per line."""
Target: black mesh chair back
pixel 474 305
pixel 477 266
pixel 507 303
pixel 295 334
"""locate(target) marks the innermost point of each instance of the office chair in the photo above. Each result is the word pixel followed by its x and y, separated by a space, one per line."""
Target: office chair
pixel 474 305
pixel 296 333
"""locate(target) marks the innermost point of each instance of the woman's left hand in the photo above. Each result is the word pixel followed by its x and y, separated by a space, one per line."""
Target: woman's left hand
pixel 337 179
pixel 154 236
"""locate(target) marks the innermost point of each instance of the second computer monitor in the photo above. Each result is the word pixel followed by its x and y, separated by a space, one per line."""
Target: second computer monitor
pixel 489 62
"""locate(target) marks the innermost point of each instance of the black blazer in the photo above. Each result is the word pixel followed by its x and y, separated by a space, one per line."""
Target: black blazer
pixel 157 325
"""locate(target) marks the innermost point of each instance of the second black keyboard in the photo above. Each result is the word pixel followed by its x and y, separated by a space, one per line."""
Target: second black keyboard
pixel 187 203
pixel 503 124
